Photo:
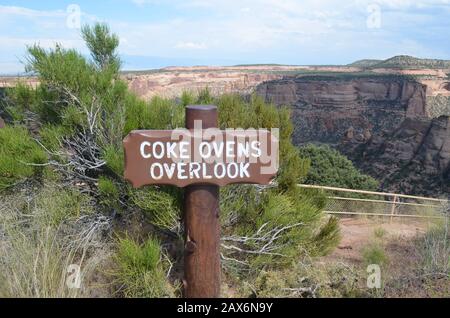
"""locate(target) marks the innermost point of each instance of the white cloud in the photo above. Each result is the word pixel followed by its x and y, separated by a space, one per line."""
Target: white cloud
pixel 141 3
pixel 45 18
pixel 11 42
pixel 30 13
pixel 398 4
pixel 284 31
pixel 190 45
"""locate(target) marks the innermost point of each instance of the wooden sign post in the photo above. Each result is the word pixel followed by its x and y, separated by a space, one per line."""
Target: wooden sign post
pixel 201 224
pixel 201 158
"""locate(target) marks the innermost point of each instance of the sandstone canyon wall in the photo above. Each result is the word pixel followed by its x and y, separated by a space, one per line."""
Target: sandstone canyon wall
pixel 381 123
pixel 173 82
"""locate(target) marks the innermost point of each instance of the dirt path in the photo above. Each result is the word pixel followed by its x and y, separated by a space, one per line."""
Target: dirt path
pixel 359 232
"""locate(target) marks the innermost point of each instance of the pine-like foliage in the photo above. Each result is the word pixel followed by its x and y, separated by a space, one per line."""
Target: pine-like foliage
pixel 270 228
pixel 81 112
pixel 19 155
pixel 330 168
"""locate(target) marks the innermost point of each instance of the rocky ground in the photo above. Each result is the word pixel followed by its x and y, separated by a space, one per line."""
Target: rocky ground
pixel 399 242
pixel 358 232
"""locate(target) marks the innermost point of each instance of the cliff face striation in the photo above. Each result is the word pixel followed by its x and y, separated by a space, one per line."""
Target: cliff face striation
pixel 172 83
pixel 414 158
pixel 380 122
pixel 327 109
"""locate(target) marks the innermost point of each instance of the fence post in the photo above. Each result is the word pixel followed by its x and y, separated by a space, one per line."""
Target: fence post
pixel 393 207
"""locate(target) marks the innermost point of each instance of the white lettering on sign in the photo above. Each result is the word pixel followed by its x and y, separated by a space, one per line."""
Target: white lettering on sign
pixel 184 151
pixel 195 170
pixel 159 171
pixel 161 150
pixel 183 157
pixel 143 153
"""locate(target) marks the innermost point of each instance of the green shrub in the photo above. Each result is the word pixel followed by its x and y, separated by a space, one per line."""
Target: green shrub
pixel 162 208
pixel 247 212
pixel 18 151
pixel 140 270
pixel 379 232
pixel 114 158
pixel 36 248
pixel 108 191
pixel 330 168
pixel 187 98
pixel 304 280
pixel 102 45
pixel 72 118
pixel 52 136
pixel 134 108
pixel 162 113
pixel 159 113
pixel 55 205
pixel 205 96
pixel 15 113
pixel 434 249
pixel 328 237
pixel 73 86
pixel 374 253
pixel 49 105
pixel 19 99
pixel 234 112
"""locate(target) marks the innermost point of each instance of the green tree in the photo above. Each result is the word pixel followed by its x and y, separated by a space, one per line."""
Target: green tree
pixel 87 98
pixel 330 168
pixel 102 44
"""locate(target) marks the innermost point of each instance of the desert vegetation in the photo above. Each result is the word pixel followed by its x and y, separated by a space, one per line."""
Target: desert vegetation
pixel 411 62
pixel 438 105
pixel 65 204
pixel 415 266
pixel 66 209
pixel 330 168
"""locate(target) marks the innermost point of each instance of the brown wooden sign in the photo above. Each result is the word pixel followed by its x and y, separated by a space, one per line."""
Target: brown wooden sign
pixel 201 158
pixel 205 156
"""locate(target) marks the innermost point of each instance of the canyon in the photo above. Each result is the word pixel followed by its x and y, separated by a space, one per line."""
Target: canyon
pixel 382 123
pixel 391 118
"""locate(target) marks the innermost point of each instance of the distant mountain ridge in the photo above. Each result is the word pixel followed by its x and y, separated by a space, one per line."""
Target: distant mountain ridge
pixel 365 63
pixel 402 62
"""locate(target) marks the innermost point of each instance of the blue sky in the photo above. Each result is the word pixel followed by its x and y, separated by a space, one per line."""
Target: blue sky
pixel 157 33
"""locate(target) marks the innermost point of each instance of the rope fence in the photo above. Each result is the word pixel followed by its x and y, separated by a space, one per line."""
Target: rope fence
pixel 359 202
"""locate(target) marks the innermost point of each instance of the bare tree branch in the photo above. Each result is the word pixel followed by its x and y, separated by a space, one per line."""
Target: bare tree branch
pixel 263 240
